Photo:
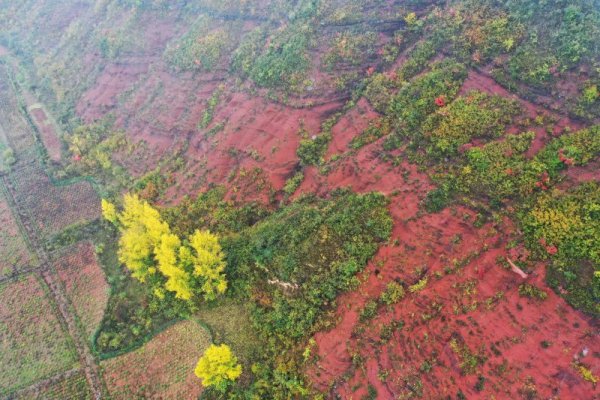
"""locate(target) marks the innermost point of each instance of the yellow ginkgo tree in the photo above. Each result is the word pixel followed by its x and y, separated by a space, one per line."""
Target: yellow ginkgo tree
pixel 187 268
pixel 218 367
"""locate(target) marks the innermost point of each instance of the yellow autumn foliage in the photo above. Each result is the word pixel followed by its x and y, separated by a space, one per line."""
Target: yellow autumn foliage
pixel 217 367
pixel 109 211
pixel 148 246
pixel 141 232
pixel 209 263
pixel 557 224
pixel 166 254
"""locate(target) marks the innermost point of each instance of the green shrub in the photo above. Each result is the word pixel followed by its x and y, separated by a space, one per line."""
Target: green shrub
pixel 8 159
pixel 351 49
pixel 376 130
pixel 498 170
pixel 201 48
pixel 418 58
pixel 393 293
pixel 292 184
pixel 475 115
pixel 242 60
pixel 211 104
pixel 416 100
pixel 564 227
pixel 532 292
pixel 309 251
pixel 311 150
pixel 369 311
pixel 378 91
pixel 285 61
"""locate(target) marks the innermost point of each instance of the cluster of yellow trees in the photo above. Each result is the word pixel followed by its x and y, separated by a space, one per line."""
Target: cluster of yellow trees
pixel 191 267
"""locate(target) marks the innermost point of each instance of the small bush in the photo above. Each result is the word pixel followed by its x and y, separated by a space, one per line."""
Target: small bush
pixel 532 292
pixel 393 293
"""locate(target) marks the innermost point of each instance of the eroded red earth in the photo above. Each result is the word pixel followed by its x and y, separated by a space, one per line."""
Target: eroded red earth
pixel 470 306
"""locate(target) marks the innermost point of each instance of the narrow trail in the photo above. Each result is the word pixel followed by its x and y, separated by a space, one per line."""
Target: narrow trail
pixel 86 358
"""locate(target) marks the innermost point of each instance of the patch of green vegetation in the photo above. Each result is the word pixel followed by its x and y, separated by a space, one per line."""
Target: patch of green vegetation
pixel 420 285
pixel 379 91
pixel 218 127
pixel 376 130
pixel 229 321
pixel 117 40
pixel 469 361
pixel 151 186
pixel 211 211
pixel 285 61
pixel 349 49
pixel 309 251
pixel 7 158
pixel 565 228
pixel 250 47
pixel 312 149
pixel 418 58
pixel 369 311
pixel 393 293
pixel 533 292
pixel 294 263
pixel 415 101
pixel 211 104
pixel 92 149
pixel 571 148
pixel 532 66
pixel 292 183
pixel 563 30
pixel 587 105
pixel 500 171
pixel 473 116
pixel 497 170
pixel 202 47
pixel 488 31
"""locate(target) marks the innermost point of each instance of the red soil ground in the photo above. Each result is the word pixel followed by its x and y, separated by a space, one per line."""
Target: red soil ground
pixel 474 305
pixel 47 132
pixel 445 309
pixel 255 154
